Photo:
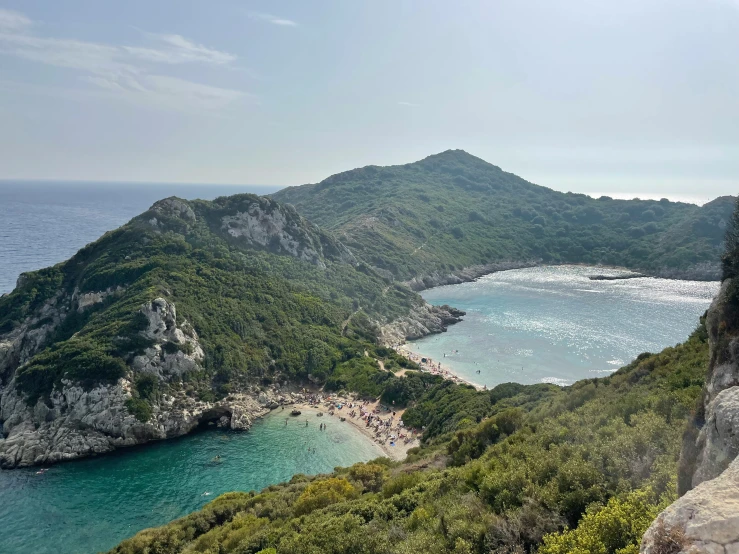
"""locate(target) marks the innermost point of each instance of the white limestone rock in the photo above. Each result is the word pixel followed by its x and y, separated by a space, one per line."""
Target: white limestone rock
pixel 708 515
pixel 271 228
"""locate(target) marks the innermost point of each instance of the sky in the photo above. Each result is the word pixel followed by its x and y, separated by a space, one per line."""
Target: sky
pixel 628 98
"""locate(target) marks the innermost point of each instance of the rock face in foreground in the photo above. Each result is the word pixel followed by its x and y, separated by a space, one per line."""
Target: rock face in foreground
pixel 706 517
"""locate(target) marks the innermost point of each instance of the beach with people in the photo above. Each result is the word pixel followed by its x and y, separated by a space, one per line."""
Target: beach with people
pixel 435 367
pixel 380 423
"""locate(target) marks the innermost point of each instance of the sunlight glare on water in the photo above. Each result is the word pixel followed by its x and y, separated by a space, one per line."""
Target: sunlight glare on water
pixel 555 325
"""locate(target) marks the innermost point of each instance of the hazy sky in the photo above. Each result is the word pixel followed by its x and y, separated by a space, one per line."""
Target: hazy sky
pixel 634 97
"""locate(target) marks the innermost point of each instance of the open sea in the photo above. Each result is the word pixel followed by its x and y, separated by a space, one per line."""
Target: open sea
pixel 532 325
pixel 43 222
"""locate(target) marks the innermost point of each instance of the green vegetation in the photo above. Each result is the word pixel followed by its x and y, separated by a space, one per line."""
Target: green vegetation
pixel 260 314
pixel 582 469
pixel 514 469
pixel 453 210
pixel 730 258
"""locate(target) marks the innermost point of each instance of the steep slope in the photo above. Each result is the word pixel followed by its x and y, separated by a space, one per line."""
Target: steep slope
pixel 500 471
pixel 193 312
pixel 432 218
pixel 706 517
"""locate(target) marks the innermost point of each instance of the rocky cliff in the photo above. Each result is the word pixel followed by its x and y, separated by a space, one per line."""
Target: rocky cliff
pixel 191 314
pixel 706 517
pixel 77 421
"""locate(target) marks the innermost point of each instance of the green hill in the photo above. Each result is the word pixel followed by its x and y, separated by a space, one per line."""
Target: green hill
pixel 190 300
pixel 452 210
pixel 501 471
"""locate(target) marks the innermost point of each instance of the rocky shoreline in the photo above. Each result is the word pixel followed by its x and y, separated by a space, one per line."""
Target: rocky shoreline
pixel 423 320
pixel 465 275
pixel 75 422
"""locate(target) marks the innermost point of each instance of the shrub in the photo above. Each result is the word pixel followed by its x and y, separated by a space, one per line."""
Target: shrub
pixel 139 408
pixel 320 494
pixel 372 476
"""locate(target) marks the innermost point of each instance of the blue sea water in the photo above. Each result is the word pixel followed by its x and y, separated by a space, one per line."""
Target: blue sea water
pixel 555 325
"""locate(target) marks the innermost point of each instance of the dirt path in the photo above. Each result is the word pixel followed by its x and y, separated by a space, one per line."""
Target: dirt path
pixel 348 319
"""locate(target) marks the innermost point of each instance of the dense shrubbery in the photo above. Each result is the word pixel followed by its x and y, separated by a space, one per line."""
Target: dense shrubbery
pixel 513 220
pixel 581 469
pixel 258 315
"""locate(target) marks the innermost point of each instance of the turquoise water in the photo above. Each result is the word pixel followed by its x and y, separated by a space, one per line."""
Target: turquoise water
pixel 91 505
pixel 553 324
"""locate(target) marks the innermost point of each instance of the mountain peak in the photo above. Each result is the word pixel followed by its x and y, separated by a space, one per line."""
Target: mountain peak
pixel 456 156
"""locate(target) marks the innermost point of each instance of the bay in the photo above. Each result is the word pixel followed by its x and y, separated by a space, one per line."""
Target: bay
pixel 555 325
pixel 91 505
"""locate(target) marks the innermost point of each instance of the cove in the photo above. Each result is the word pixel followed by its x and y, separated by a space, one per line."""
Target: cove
pixel 91 505
pixel 554 324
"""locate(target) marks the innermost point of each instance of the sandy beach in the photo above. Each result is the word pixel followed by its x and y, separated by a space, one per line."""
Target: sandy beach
pixel 378 431
pixel 433 366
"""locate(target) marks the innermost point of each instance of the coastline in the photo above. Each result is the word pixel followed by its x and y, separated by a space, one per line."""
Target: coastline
pixel 411 350
pixel 398 452
pixel 435 367
pixel 699 272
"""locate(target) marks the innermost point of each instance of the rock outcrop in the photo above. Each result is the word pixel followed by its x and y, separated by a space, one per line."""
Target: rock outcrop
pixel 74 422
pixel 78 423
pixel 422 320
pixel 707 515
pixel 175 350
pixel 706 519
pixel 280 229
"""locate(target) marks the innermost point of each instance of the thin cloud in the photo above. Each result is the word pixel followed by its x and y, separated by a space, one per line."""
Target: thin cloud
pixel 411 104
pixel 124 72
pixel 177 49
pixel 273 19
pixel 11 20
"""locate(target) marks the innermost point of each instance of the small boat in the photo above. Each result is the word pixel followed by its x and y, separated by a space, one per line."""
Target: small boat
pixel 295 413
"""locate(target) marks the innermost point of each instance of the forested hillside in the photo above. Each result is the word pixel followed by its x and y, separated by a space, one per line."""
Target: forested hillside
pixel 580 469
pixel 191 300
pixel 453 210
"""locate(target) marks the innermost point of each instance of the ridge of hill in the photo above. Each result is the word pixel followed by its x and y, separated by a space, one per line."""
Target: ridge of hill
pixel 192 312
pixel 435 217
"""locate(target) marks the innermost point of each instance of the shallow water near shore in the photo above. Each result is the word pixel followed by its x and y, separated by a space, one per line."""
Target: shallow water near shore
pixel 554 324
pixel 91 505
